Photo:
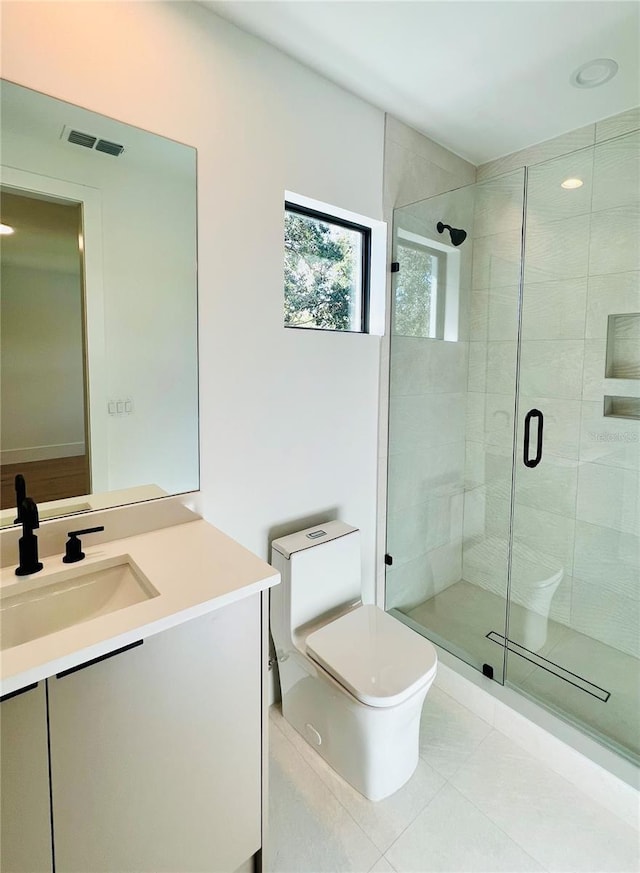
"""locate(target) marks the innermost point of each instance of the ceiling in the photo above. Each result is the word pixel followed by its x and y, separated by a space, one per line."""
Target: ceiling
pixel 482 78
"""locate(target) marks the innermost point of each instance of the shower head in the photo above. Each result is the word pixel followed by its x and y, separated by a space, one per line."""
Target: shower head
pixel 458 236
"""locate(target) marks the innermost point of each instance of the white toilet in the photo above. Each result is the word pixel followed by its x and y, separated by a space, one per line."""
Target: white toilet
pixel 353 678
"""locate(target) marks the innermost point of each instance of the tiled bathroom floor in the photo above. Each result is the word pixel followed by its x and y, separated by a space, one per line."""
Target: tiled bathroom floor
pixel 477 802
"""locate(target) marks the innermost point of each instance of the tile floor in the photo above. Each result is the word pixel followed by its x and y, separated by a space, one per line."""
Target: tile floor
pixel 477 802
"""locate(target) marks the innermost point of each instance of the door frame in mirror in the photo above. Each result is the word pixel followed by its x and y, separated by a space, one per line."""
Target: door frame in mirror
pixel 89 199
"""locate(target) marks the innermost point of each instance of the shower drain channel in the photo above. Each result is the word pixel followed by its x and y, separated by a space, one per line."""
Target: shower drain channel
pixel 544 663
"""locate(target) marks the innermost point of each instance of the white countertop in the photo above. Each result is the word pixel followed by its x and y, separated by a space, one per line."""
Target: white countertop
pixel 194 567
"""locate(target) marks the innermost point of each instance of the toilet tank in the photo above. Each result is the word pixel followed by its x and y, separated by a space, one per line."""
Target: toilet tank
pixel 321 570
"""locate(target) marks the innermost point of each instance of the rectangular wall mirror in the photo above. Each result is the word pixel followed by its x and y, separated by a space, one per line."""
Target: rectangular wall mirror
pixel 98 310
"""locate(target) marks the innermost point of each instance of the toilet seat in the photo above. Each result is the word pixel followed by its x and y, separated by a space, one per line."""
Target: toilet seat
pixel 377 658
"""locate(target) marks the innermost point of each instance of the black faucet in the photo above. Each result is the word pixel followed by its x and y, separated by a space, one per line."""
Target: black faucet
pixel 28 543
pixel 21 493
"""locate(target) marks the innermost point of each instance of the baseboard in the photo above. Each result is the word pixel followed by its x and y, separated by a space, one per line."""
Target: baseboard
pixel 41 453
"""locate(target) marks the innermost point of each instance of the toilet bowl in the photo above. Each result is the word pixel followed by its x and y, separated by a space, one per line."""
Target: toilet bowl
pixel 353 678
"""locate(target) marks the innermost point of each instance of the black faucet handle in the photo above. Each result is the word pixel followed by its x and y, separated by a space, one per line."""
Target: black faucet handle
pixel 73 548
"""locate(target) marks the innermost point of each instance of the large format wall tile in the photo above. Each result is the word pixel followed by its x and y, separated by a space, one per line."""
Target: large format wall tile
pixel 420 529
pixel 607 557
pixel 416 581
pixel 614 620
pixel 414 477
pixel 400 133
pixel 611 441
pixel 548 534
pixel 496 260
pixel 617 125
pixel 615 240
pixel 477 371
pixel 561 429
pixel 554 310
pixel 417 423
pixel 479 315
pixel 498 205
pixel 609 497
pixel 552 368
pixel 545 151
pixel 503 313
pixel 501 367
pixel 551 486
pixel 593 373
pixel 616 173
pixel 557 250
pixel 610 294
pixel 427 366
pixel 484 563
pixel 498 421
pixel 410 177
pixel 547 201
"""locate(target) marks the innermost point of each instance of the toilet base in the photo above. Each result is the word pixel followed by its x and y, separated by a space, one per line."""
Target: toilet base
pixel 375 749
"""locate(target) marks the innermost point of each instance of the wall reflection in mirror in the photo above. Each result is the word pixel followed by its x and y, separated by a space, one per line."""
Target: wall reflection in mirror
pixel 99 381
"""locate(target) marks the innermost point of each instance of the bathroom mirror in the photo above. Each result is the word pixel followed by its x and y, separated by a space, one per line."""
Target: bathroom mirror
pixel 99 378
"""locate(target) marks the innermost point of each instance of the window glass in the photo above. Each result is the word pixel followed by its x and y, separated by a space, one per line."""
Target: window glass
pixel 419 291
pixel 326 268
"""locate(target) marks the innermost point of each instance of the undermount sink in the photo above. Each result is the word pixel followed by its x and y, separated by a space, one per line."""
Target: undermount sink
pixel 68 598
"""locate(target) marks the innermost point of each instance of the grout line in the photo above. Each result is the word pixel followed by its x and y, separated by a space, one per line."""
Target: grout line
pixel 413 820
pixel 501 829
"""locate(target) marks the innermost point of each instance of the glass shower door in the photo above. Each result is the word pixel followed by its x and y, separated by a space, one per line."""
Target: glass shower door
pixel 574 626
pixel 451 416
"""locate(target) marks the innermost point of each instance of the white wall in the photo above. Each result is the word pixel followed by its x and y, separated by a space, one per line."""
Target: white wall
pixel 42 395
pixel 288 418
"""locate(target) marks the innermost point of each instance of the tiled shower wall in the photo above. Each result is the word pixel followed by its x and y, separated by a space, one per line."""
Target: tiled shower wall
pixel 579 510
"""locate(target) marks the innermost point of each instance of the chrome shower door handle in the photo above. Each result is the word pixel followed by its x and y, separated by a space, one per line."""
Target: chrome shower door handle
pixel 533 413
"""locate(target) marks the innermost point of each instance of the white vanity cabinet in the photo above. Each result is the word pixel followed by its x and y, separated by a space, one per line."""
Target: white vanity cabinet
pixel 25 833
pixel 156 751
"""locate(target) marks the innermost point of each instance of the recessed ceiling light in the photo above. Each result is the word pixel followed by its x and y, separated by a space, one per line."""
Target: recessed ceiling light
pixel 5 230
pixel 570 184
pixel 594 73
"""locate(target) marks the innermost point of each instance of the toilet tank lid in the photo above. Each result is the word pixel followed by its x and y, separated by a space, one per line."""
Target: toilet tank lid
pixel 312 536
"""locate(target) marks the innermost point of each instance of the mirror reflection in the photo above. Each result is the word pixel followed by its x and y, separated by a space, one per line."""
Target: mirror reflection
pixel 98 309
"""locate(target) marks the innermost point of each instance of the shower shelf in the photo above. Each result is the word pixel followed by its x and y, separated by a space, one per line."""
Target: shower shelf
pixel 623 346
pixel 622 407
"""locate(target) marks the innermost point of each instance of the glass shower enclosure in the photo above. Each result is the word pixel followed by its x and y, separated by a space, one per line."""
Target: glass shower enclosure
pixel 514 432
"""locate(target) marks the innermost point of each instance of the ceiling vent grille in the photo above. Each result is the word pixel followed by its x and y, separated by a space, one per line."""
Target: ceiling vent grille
pixel 82 139
pixel 89 141
pixel 109 148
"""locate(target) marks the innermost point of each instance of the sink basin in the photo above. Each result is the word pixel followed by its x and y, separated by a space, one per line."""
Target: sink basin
pixel 70 597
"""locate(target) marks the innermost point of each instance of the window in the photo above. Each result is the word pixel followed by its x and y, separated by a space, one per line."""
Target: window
pixel 420 290
pixel 426 292
pixel 326 271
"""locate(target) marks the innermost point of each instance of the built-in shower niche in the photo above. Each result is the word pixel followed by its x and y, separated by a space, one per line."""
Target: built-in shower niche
pixel 623 347
pixel 621 407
